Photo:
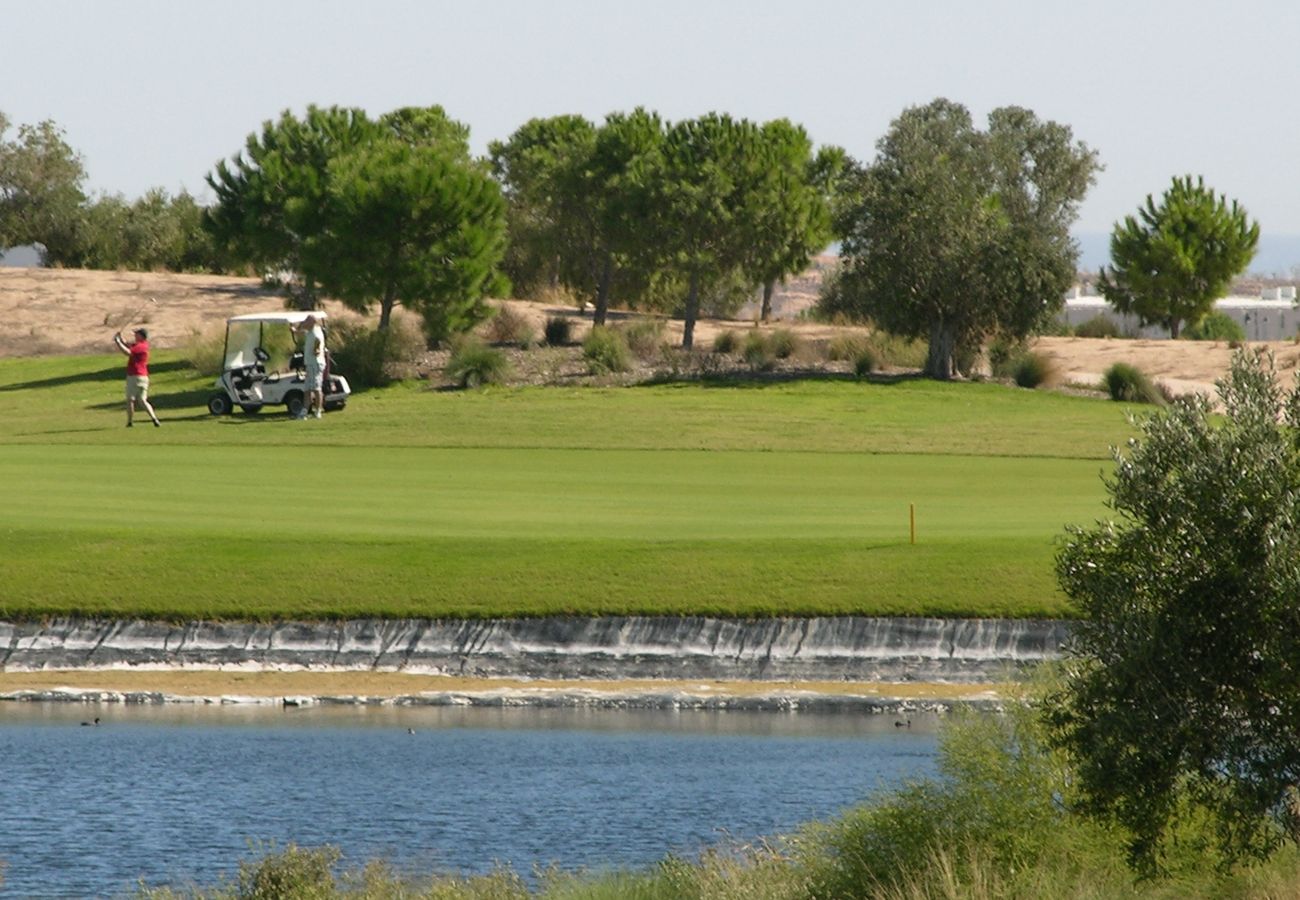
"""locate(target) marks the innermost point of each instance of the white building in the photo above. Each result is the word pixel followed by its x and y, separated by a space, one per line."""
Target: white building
pixel 1271 317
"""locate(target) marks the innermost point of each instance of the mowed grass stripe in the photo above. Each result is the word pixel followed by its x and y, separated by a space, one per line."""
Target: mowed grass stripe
pixel 184 577
pixel 358 494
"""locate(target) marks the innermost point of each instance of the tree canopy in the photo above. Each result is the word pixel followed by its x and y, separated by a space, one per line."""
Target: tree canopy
pixel 954 234
pixel 653 211
pixel 41 194
pixel 1182 692
pixel 413 226
pixel 383 211
pixel 1173 260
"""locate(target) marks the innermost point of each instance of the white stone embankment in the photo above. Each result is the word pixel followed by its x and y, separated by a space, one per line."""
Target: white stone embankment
pixel 859 649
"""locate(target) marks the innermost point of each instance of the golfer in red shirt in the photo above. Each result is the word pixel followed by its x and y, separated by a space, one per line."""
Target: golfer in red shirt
pixel 137 374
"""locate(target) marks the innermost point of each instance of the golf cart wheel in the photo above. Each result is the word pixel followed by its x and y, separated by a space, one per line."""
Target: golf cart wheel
pixel 295 403
pixel 251 409
pixel 219 405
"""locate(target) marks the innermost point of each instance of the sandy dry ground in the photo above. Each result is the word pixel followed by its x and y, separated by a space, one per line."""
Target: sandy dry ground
pixel 72 311
pixel 277 684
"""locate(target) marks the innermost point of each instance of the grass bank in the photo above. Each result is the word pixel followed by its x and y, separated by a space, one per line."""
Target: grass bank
pixel 742 500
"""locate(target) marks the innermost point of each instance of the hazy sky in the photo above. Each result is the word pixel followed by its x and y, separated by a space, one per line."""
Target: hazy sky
pixel 154 92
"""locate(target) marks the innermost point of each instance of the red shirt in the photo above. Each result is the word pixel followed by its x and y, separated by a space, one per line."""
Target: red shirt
pixel 138 363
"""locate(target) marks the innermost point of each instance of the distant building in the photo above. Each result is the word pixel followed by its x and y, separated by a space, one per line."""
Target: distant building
pixel 1270 317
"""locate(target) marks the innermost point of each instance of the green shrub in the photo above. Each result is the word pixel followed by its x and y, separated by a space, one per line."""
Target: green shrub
pixel 1130 384
pixel 509 326
pixel 1056 328
pixel 606 350
pixel 756 352
pixel 726 342
pixel 293 872
pixel 474 364
pixel 1215 326
pixel 997 808
pixel 1033 370
pixel 1003 355
pixel 783 343
pixel 558 331
pixel 845 347
pixel 899 351
pixel 1100 326
pixel 370 357
pixel 644 337
pixel 204 351
pixel 865 362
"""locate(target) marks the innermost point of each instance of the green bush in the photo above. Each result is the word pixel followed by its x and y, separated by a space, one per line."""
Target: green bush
pixel 474 364
pixel 606 350
pixel 509 326
pixel 644 337
pixel 558 331
pixel 294 872
pixel 370 357
pixel 1101 326
pixel 204 351
pixel 845 347
pixel 1130 384
pixel 783 343
pixel 1033 370
pixel 1215 326
pixel 899 351
pixel 757 353
pixel 1012 359
pixel 999 807
pixel 865 362
pixel 726 342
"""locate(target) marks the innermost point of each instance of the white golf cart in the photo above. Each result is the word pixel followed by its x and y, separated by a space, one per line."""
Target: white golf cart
pixel 262 367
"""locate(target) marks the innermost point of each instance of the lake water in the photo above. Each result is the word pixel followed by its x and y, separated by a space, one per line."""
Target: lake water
pixel 176 794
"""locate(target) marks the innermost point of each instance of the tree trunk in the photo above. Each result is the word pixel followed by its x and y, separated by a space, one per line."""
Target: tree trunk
pixel 602 291
pixel 1174 326
pixel 692 311
pixel 386 308
pixel 939 361
pixel 765 312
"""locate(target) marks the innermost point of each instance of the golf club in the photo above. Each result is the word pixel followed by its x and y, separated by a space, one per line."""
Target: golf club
pixel 116 322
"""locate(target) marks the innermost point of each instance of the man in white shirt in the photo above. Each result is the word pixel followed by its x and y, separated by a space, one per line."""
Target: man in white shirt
pixel 313 356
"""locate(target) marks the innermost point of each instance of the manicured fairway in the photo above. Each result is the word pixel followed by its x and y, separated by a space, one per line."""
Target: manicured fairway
pixel 755 500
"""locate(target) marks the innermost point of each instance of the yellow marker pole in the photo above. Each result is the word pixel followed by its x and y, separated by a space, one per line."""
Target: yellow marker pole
pixel 911 508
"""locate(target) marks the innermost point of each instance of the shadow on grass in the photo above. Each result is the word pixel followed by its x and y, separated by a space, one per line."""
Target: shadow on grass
pixel 115 373
pixel 170 401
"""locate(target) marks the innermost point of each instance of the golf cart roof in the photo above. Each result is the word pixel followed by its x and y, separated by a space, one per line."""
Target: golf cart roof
pixel 284 316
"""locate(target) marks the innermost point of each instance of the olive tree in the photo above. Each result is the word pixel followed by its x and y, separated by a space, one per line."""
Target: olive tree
pixel 1174 259
pixel 41 194
pixel 955 234
pixel 1182 683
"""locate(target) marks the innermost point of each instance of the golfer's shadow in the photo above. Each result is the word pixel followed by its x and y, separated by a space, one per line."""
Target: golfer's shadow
pixel 177 400
pixel 114 373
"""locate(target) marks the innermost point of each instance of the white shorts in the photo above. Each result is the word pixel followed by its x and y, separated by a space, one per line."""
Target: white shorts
pixel 314 373
pixel 137 387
